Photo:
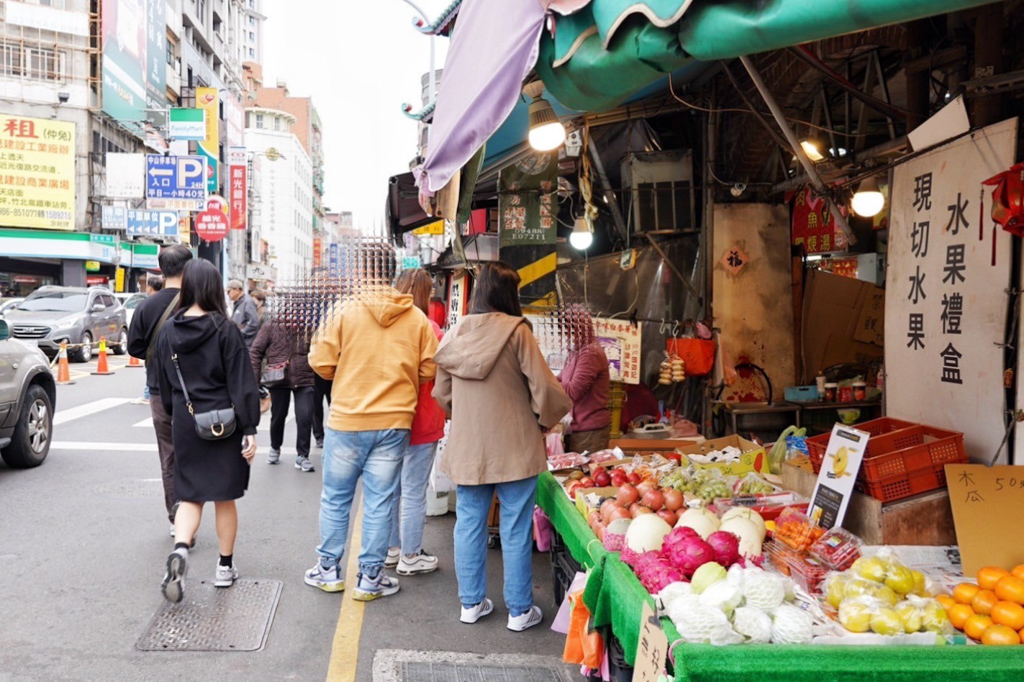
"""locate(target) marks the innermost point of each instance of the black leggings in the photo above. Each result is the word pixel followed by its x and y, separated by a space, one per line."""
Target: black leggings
pixel 280 399
pixel 322 390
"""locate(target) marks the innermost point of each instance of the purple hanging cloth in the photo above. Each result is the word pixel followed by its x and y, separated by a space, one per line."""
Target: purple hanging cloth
pixel 494 46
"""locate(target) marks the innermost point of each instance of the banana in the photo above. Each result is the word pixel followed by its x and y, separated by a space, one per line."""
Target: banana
pixel 840 461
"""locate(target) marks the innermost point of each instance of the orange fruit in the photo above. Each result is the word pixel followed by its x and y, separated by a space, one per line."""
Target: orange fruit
pixel 1009 614
pixel 999 635
pixel 1018 571
pixel 976 625
pixel 989 576
pixel 984 601
pixel 1010 589
pixel 959 614
pixel 964 593
pixel 947 601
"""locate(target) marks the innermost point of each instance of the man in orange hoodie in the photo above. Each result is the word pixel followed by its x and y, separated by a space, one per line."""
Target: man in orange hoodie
pixel 377 348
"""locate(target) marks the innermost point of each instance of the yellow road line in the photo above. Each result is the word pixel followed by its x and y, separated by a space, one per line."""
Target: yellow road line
pixel 345 649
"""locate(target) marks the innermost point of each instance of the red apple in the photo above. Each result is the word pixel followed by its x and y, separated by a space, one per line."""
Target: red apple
pixel 602 478
pixel 633 478
pixel 587 482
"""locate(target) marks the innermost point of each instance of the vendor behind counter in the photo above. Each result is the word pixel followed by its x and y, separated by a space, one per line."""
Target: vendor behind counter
pixel 586 379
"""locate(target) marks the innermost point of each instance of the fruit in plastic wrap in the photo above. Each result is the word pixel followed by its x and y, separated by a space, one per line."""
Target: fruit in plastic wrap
pixel 858 587
pixel 872 568
pixel 885 621
pixel 920 584
pixel 834 589
pixel 899 579
pixel 936 619
pixel 885 593
pixel 911 616
pixel 855 615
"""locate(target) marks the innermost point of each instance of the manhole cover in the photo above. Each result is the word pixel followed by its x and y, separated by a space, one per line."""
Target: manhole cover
pixel 212 619
pixel 132 490
pixel 467 672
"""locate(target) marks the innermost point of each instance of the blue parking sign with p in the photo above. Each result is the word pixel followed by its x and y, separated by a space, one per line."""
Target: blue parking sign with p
pixel 176 178
pixel 152 223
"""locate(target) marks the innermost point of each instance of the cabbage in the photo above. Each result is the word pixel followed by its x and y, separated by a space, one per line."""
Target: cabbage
pixel 754 624
pixel 763 590
pixel 647 533
pixel 722 596
pixel 792 625
pixel 706 576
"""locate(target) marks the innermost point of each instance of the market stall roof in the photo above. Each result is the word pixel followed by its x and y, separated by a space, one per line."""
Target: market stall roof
pixel 606 50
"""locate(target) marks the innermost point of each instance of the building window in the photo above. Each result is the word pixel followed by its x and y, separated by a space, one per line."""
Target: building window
pixel 259 121
pixel 252 53
pixel 277 123
pixel 33 63
pixel 252 20
pixel 252 36
pixel 202 10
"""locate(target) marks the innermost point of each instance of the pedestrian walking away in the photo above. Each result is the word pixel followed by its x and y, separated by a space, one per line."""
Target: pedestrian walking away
pixel 204 366
pixel 287 373
pixel 493 381
pixel 409 511
pixel 387 353
pixel 149 318
pixel 243 312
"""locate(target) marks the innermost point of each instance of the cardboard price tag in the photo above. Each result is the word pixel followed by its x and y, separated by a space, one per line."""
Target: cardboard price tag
pixel 838 475
pixel 652 648
pixel 986 501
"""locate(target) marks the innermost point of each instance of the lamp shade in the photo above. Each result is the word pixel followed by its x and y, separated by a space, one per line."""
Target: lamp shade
pixel 546 131
pixel 581 237
pixel 868 201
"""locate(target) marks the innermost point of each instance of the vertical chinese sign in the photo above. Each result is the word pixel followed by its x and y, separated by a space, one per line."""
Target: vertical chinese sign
pixel 527 202
pixel 621 343
pixel 814 226
pixel 238 188
pixel 946 305
pixel 37 173
pixel 208 99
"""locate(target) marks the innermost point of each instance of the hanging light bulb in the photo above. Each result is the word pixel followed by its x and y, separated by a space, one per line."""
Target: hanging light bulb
pixel 868 201
pixel 813 149
pixel 546 131
pixel 581 237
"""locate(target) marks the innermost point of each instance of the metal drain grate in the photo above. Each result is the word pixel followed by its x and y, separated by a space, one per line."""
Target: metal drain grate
pixel 212 619
pixel 466 672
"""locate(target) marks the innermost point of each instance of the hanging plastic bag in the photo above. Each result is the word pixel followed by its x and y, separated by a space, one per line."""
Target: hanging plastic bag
pixel 583 646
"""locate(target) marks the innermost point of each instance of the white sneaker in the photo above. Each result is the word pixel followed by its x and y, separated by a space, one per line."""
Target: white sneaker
pixel 526 621
pixel 328 580
pixel 475 613
pixel 368 589
pixel 417 563
pixel 226 576
pixel 394 553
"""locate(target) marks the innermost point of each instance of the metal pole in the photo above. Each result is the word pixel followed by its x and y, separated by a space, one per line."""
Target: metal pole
pixel 606 190
pixel 808 165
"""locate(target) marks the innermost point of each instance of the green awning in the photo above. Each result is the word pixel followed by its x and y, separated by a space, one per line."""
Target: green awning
pixel 580 72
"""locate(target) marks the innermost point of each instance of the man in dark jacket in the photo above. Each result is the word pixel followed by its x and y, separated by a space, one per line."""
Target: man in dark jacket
pixel 244 312
pixel 146 323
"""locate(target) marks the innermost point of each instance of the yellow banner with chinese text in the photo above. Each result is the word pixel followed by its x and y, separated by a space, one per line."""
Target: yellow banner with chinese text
pixel 37 173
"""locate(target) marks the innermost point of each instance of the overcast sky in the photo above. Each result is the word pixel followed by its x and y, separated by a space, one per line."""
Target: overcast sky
pixel 359 61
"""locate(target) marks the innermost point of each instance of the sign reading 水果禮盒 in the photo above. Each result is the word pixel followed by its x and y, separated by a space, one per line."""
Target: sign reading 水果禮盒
pixel 946 301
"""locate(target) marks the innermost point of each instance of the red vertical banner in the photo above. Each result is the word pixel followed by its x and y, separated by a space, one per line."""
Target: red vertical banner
pixel 238 198
pixel 814 226
pixel 318 251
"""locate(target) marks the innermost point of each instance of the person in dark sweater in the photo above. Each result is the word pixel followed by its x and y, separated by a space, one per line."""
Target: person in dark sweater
pixel 207 348
pixel 278 345
pixel 141 342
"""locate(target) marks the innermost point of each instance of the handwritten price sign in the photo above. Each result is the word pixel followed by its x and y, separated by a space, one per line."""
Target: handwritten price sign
pixel 984 499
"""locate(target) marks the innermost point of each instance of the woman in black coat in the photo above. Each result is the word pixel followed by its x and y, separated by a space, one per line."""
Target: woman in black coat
pixel 215 367
pixel 279 345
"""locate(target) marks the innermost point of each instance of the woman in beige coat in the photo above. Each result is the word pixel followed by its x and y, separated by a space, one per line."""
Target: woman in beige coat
pixel 495 385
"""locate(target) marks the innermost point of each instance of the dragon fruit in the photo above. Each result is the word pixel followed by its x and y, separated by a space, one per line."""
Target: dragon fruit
pixel 684 550
pixel 726 546
pixel 629 557
pixel 656 574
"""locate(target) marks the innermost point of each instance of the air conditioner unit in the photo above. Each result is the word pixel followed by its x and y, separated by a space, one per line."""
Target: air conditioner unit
pixel 661 190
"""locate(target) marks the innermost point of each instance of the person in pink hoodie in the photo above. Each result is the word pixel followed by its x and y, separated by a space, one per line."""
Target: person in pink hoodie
pixel 409 510
pixel 585 378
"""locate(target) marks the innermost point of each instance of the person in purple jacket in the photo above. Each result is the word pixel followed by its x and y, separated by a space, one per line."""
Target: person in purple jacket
pixel 586 379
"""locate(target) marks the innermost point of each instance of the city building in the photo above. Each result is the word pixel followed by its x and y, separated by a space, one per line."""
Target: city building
pixel 253 29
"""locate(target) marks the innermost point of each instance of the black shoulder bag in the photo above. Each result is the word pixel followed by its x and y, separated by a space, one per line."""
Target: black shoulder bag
pixel 160 323
pixel 212 425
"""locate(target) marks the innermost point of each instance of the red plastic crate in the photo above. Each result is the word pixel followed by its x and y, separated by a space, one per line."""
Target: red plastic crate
pixel 906 485
pixel 878 428
pixel 917 448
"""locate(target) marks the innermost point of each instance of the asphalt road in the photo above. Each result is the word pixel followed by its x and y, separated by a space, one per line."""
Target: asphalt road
pixel 83 540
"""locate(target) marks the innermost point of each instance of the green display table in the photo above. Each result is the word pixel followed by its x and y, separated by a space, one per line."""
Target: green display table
pixel 615 597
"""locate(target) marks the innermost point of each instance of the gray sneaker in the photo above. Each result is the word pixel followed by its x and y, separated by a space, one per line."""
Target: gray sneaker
pixel 304 464
pixel 173 585
pixel 417 563
pixel 225 576
pixel 368 589
pixel 274 457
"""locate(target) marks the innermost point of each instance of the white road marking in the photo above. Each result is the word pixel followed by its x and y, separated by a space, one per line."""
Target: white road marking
pixel 65 416
pixel 133 447
pixel 146 423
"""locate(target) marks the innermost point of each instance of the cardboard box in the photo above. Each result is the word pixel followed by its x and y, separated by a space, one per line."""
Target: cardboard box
pixel 754 457
pixel 581 498
pixel 842 321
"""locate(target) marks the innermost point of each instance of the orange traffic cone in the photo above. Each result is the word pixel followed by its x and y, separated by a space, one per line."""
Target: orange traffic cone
pixel 101 366
pixel 133 362
pixel 63 371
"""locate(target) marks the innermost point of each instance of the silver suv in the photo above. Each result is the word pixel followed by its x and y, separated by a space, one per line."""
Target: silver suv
pixel 79 316
pixel 27 399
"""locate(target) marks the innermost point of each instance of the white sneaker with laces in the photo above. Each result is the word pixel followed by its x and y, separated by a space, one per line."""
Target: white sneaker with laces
pixel 173 586
pixel 326 579
pixel 475 613
pixel 226 576
pixel 394 553
pixel 368 589
pixel 417 563
pixel 525 621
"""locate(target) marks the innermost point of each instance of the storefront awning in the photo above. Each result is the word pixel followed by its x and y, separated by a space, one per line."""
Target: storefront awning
pixel 597 58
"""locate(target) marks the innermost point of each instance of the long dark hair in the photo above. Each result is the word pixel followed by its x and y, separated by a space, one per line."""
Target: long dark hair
pixel 202 285
pixel 496 290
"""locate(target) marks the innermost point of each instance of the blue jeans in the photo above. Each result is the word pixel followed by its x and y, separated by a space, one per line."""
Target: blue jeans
pixel 473 503
pixel 407 526
pixel 145 391
pixel 377 457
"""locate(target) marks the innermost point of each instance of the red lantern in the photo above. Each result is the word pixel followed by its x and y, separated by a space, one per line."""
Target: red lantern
pixel 1008 199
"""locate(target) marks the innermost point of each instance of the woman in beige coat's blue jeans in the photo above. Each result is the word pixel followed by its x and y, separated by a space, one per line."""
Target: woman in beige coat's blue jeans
pixel 501 396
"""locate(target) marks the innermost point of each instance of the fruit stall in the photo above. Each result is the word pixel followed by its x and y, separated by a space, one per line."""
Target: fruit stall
pixel 746 582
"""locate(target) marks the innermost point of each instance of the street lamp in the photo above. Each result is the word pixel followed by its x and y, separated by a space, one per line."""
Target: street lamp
pixel 546 131
pixel 868 200
pixel 581 237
